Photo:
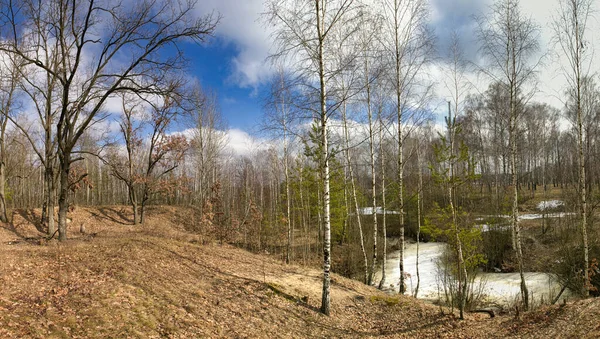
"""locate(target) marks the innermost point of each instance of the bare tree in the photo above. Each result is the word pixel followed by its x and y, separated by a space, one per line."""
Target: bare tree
pixel 382 162
pixel 370 53
pixel 347 85
pixel 570 26
pixel 353 190
pixel 281 117
pixel 458 86
pixel 164 154
pixel 303 32
pixel 41 89
pixel 419 210
pixel 150 153
pixel 106 30
pixel 125 167
pixel 208 140
pixel 9 82
pixel 509 42
pixel 409 46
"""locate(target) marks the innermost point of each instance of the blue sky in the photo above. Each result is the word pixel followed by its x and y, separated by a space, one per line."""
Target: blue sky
pixel 213 65
pixel 233 64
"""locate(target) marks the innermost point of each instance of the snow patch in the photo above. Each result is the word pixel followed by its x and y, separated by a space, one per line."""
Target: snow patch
pixel 378 210
pixel 550 205
pixel 502 288
pixel 540 216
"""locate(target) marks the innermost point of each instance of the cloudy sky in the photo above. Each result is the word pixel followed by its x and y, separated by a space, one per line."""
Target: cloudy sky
pixel 234 63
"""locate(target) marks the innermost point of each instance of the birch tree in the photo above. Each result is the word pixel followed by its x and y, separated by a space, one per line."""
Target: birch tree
pixel 408 45
pixel 303 33
pixel 348 84
pixel 570 37
pixel 357 211
pixel 371 72
pixel 509 44
pixel 280 121
pixel 458 86
pixel 382 162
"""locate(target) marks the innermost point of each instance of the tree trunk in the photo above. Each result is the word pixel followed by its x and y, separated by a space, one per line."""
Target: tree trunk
pixel 581 153
pixel 400 171
pixel 401 285
pixel 419 202
pixel 367 276
pixel 325 297
pixel 143 207
pixel 461 269
pixel 383 206
pixel 583 201
pixel 515 204
pixel 50 200
pixel 134 204
pixel 290 228
pixel 63 200
pixel 373 174
pixel 3 210
pixel 346 207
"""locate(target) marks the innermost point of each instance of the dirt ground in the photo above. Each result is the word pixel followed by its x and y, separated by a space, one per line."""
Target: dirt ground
pixel 160 280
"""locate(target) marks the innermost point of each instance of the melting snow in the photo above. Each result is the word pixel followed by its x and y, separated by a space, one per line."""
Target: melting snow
pixel 549 205
pixel 378 210
pixel 503 288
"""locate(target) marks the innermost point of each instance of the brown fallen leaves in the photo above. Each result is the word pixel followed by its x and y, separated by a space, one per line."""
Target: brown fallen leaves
pixel 158 280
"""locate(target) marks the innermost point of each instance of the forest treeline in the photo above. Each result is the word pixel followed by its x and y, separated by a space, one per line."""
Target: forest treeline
pixel 91 93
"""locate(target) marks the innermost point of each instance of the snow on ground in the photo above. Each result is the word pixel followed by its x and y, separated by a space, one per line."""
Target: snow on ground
pixel 501 288
pixel 379 210
pixel 526 216
pixel 550 205
pixel 540 216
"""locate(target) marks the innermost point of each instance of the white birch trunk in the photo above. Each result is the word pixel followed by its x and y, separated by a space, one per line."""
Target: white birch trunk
pixel 354 197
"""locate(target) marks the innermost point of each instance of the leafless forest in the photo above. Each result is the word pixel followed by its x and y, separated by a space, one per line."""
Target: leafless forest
pixel 358 161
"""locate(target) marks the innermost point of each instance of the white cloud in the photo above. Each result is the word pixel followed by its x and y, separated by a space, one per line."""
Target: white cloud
pixel 113 104
pixel 241 26
pixel 237 142
pixel 242 143
pixel 551 81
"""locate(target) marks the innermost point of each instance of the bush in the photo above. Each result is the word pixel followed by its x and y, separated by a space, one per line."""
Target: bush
pixel 497 247
pixel 569 268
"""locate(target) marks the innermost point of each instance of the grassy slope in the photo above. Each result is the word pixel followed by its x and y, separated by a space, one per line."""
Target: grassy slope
pixel 160 281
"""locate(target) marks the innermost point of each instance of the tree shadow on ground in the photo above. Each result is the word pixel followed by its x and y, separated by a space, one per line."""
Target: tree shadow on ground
pixel 262 287
pixel 30 216
pixel 108 213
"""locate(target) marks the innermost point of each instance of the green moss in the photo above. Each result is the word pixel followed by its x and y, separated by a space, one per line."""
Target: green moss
pixel 277 289
pixel 389 301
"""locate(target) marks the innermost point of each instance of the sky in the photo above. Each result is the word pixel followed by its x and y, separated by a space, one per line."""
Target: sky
pixel 234 63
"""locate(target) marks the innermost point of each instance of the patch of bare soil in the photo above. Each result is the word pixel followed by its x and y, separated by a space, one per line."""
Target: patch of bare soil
pixel 161 280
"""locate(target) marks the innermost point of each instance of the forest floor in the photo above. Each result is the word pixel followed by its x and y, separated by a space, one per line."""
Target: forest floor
pixel 159 280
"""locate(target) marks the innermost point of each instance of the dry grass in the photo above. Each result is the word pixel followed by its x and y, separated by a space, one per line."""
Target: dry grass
pixel 159 280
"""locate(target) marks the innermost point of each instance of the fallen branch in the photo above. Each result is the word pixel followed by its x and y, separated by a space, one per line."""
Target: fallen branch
pixel 559 294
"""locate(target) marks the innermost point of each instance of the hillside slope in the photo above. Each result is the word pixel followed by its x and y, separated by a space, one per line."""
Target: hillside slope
pixel 157 280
